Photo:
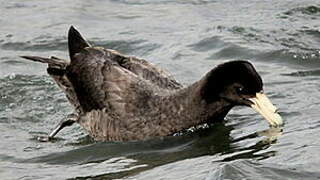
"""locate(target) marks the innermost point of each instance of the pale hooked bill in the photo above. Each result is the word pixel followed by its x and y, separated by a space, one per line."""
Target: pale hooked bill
pixel 263 105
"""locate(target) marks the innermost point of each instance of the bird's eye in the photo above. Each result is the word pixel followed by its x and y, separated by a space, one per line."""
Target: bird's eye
pixel 239 90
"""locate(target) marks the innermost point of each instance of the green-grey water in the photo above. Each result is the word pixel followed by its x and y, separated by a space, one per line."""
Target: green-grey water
pixel 187 38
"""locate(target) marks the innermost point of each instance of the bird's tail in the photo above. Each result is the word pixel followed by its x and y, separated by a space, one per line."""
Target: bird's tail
pixel 57 70
pixel 56 66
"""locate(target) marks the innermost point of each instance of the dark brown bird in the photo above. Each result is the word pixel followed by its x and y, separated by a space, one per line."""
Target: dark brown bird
pixel 121 98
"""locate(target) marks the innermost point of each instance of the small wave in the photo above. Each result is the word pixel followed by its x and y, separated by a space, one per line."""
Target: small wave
pixel 282 54
pixel 11 61
pixel 315 72
pixel 19 5
pixel 301 45
pixel 138 47
pixel 288 49
pixel 42 43
pixel 127 17
pixel 48 43
pixel 255 170
pixel 234 51
pixel 247 31
pixel 25 99
pixel 208 44
pixel 147 2
pixel 308 10
pixel 311 32
pixel 291 57
pixel 223 49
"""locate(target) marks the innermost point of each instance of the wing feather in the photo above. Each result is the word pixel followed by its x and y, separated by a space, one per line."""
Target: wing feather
pixel 106 79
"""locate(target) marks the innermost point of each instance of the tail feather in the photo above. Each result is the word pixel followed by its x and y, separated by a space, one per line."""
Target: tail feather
pixel 57 70
pixel 53 62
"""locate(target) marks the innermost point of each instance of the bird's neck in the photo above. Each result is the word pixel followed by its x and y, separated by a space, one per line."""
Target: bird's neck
pixel 188 108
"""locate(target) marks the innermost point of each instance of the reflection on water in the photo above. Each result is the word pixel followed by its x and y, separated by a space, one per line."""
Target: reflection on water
pixel 271 134
pixel 148 154
pixel 269 137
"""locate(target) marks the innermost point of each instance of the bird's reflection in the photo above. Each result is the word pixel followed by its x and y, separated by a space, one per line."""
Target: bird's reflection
pixel 212 140
pixel 269 137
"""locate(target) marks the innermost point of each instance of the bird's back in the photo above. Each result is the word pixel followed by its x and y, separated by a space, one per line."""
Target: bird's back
pixel 104 78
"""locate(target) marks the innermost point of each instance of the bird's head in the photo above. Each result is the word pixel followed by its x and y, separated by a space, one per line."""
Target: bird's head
pixel 238 83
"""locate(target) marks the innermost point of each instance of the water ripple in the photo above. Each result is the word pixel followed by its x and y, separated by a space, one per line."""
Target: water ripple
pixel 210 43
pixel 162 2
pixel 313 10
pixel 37 44
pixel 138 47
pixel 315 72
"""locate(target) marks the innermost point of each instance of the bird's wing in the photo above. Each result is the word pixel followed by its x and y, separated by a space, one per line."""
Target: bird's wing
pixel 97 78
pixel 100 82
pixel 145 70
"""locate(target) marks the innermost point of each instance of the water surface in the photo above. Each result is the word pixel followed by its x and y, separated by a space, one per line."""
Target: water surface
pixel 187 38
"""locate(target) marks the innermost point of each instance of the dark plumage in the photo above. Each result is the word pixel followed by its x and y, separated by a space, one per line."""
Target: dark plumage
pixel 120 98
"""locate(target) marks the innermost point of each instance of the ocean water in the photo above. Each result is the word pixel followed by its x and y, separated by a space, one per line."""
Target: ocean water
pixel 187 38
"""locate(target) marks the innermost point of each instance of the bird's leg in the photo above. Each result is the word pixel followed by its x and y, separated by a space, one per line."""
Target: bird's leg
pixel 64 123
pixel 68 121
